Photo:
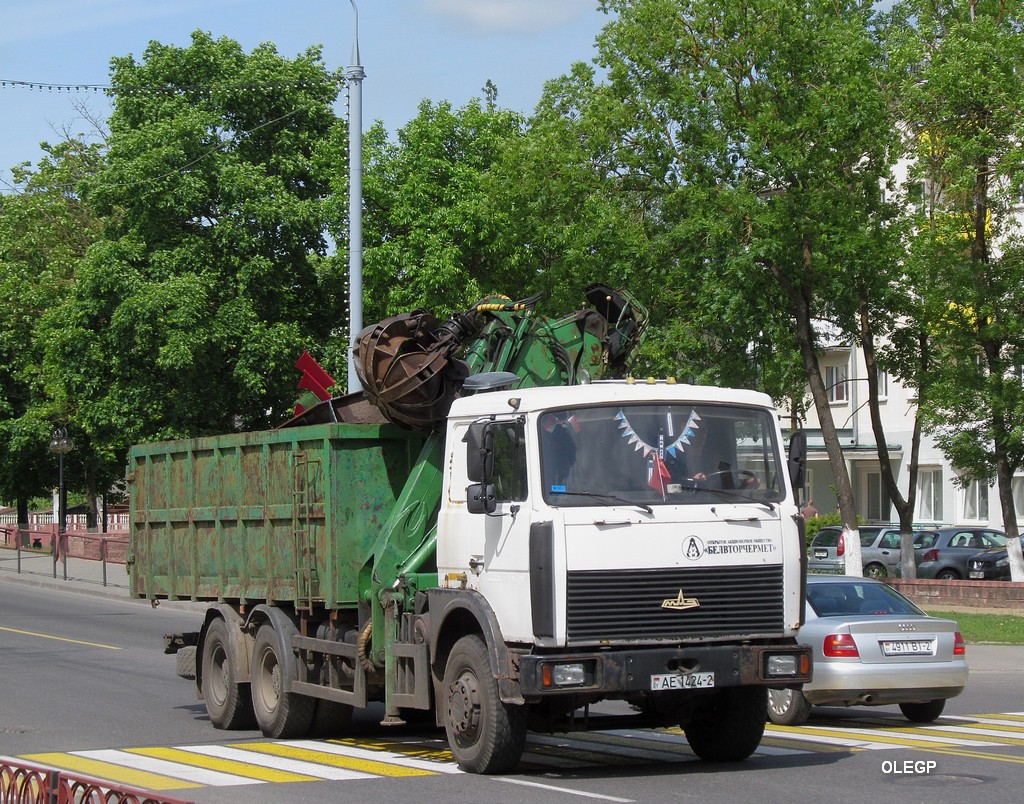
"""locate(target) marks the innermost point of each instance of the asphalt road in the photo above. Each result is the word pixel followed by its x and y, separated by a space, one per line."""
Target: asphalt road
pixel 84 686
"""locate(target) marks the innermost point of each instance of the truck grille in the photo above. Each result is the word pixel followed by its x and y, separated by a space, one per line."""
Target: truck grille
pixel 627 605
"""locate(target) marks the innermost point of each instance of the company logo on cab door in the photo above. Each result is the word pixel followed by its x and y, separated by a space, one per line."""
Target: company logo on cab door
pixel 693 548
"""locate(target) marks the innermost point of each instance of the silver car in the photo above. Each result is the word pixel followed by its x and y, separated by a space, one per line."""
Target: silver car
pixel 873 647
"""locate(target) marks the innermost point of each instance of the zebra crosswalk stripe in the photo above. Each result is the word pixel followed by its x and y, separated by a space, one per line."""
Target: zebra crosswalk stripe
pixel 315 770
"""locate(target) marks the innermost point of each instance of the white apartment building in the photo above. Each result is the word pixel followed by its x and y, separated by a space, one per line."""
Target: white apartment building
pixel 939 500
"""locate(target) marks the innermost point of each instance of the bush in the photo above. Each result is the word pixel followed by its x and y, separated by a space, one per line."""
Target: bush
pixel 816 523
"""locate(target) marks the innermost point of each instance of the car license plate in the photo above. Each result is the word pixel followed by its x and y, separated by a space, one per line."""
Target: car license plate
pixel 918 647
pixel 976 574
pixel 677 681
pixel 821 553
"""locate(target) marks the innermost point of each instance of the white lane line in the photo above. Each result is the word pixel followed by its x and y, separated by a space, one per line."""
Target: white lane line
pixel 566 790
pixel 1010 735
pixel 278 763
pixel 879 738
pixel 164 767
pixel 596 747
pixel 1013 725
pixel 386 757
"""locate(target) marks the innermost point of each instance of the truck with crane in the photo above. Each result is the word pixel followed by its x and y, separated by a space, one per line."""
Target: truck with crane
pixel 493 532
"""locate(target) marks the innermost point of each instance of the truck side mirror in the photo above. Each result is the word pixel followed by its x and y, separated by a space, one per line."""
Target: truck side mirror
pixel 479 442
pixel 797 458
pixel 480 499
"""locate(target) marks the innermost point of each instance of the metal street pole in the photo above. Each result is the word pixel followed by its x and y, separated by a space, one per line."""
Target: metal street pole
pixel 61 443
pixel 355 76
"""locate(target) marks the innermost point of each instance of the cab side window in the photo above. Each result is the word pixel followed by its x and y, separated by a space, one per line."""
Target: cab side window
pixel 509 476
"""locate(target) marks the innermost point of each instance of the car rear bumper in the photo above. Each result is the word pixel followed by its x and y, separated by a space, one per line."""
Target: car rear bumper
pixel 846 683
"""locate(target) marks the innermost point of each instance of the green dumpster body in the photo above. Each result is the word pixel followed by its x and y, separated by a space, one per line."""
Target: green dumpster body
pixel 284 516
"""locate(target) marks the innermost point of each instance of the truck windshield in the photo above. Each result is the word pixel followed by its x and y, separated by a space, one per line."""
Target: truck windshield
pixel 658 454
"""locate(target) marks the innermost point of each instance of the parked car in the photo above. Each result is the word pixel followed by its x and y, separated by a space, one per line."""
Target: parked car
pixel 873 647
pixel 879 551
pixel 943 553
pixel 990 565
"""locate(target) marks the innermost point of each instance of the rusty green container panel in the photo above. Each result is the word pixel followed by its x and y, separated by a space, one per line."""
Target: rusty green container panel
pixel 285 515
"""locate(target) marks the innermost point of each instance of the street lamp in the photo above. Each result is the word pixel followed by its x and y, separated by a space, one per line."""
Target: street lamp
pixel 61 443
pixel 355 75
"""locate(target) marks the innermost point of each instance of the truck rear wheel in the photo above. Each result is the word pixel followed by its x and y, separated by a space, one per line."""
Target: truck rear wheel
pixel 728 726
pixel 484 734
pixel 228 703
pixel 279 712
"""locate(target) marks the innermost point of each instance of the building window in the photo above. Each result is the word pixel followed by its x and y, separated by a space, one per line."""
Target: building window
pixel 835 383
pixel 878 500
pixel 929 495
pixel 976 502
pixel 1017 486
pixel 882 380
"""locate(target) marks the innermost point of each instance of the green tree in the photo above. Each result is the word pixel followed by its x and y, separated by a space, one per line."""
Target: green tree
pixel 964 107
pixel 757 134
pixel 187 317
pixel 45 230
pixel 430 240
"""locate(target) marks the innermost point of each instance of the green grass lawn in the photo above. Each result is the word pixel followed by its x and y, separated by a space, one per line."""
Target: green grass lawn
pixel 999 629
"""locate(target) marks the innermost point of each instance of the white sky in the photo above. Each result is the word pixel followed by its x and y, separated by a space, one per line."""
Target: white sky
pixel 410 49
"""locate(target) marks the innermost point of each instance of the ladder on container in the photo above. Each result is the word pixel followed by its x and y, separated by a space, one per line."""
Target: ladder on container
pixel 304 472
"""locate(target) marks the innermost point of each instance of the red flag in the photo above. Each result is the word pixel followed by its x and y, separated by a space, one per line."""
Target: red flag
pixel 657 474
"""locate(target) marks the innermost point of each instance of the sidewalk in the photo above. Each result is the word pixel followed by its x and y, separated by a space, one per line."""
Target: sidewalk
pixel 83 575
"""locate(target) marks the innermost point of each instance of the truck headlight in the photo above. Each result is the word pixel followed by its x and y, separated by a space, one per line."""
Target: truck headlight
pixel 782 665
pixel 568 674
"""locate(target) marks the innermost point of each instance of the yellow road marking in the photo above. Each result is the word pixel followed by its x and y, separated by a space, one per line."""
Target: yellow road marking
pixel 59 639
pixel 225 765
pixel 110 772
pixel 952 751
pixel 411 751
pixel 335 760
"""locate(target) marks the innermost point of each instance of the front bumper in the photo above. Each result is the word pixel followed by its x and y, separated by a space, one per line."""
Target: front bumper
pixel 621 672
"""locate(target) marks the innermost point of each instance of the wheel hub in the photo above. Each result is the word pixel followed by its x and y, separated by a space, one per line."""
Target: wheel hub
pixel 464 705
pixel 779 701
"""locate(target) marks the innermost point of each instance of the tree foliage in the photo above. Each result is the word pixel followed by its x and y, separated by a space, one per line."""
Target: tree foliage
pixel 431 241
pixel 187 317
pixel 45 229
pixel 964 108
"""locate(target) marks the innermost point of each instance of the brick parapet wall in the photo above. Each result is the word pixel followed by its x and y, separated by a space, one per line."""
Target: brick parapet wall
pixel 968 594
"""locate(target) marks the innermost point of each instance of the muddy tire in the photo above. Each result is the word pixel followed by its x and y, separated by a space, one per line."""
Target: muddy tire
pixel 484 734
pixel 923 712
pixel 729 725
pixel 279 712
pixel 227 702
pixel 331 719
pixel 787 707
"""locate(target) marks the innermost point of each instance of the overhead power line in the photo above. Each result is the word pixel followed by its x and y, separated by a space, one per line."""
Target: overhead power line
pixel 168 89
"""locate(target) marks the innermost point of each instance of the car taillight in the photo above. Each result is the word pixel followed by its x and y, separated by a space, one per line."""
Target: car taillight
pixel 959 646
pixel 838 645
pixel 931 555
pixel 841 545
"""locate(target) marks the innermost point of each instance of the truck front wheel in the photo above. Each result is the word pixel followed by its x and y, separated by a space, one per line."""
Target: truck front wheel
pixel 484 734
pixel 227 702
pixel 279 712
pixel 729 725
